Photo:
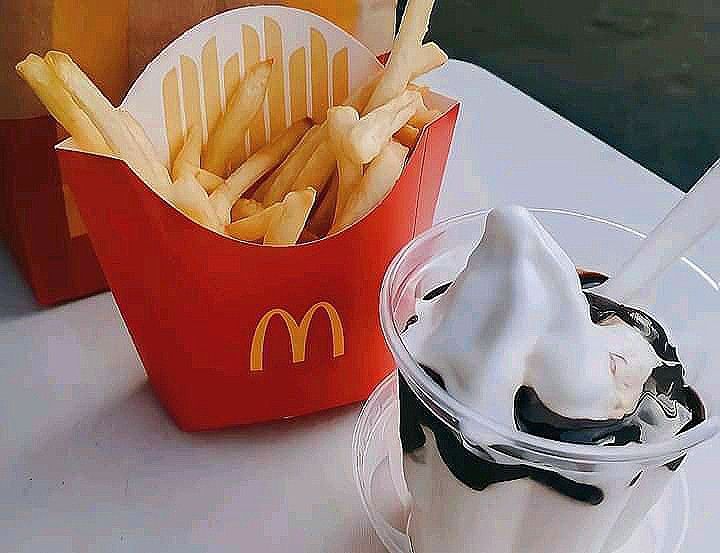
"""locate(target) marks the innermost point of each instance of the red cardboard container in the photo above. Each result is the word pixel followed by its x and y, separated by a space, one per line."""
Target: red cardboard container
pixel 232 332
pixel 38 220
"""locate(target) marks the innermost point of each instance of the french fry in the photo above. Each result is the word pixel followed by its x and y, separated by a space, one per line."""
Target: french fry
pixel 189 156
pixel 321 218
pixel 422 89
pixel 340 121
pixel 318 170
pixel 209 181
pixel 182 168
pixel 189 197
pixel 254 227
pixel 222 206
pixel 365 140
pixel 238 156
pixel 423 116
pixel 404 54
pixel 289 170
pixel 245 207
pixel 262 161
pixel 108 121
pixel 164 177
pixel 229 132
pixel 275 219
pixel 142 140
pixel 379 178
pixel 360 97
pixel 265 159
pixel 285 229
pixel 50 90
pixel 407 136
pixel 138 133
pixel 430 57
pixel 322 165
pixel 75 78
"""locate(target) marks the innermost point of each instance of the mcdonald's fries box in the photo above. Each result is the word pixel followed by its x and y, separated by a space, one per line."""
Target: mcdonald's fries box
pixel 233 332
pixel 112 41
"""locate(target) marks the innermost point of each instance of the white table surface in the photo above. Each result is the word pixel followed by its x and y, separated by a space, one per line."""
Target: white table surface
pixel 90 462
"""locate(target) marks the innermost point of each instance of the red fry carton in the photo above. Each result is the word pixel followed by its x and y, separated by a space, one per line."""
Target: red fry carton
pixel 232 332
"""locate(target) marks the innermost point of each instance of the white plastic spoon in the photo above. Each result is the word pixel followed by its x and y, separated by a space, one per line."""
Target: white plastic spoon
pixel 691 218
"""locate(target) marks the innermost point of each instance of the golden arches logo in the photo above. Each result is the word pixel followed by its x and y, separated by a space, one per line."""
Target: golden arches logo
pixel 298 333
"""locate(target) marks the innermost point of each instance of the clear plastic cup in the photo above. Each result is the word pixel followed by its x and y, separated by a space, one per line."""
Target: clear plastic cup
pixel 523 516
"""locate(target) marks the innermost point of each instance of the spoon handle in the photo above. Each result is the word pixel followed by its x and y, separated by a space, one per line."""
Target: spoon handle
pixel 691 218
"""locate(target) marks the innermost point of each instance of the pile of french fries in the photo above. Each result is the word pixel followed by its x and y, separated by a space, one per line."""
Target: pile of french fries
pixel 313 180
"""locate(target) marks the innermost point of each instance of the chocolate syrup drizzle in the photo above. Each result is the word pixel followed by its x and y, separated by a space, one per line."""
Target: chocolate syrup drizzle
pixel 665 386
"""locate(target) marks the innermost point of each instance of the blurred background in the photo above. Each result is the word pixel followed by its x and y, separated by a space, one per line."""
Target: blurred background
pixel 641 75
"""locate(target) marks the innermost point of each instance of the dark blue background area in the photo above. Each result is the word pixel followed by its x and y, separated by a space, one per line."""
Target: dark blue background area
pixel 642 75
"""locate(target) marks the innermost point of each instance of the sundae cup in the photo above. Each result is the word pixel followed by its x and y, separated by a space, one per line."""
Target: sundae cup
pixel 537 415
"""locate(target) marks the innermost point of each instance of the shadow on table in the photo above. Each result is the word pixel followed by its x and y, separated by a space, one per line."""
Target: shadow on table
pixel 135 430
pixel 16 299
pixel 132 440
pixel 124 472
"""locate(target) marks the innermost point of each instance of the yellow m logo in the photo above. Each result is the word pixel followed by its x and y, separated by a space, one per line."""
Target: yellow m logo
pixel 298 334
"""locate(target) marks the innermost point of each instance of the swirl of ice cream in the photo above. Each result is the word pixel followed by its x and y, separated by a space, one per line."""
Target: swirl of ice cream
pixel 517 316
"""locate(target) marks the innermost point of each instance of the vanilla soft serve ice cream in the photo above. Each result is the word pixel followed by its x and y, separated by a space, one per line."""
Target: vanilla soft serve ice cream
pixel 517 339
pixel 517 315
